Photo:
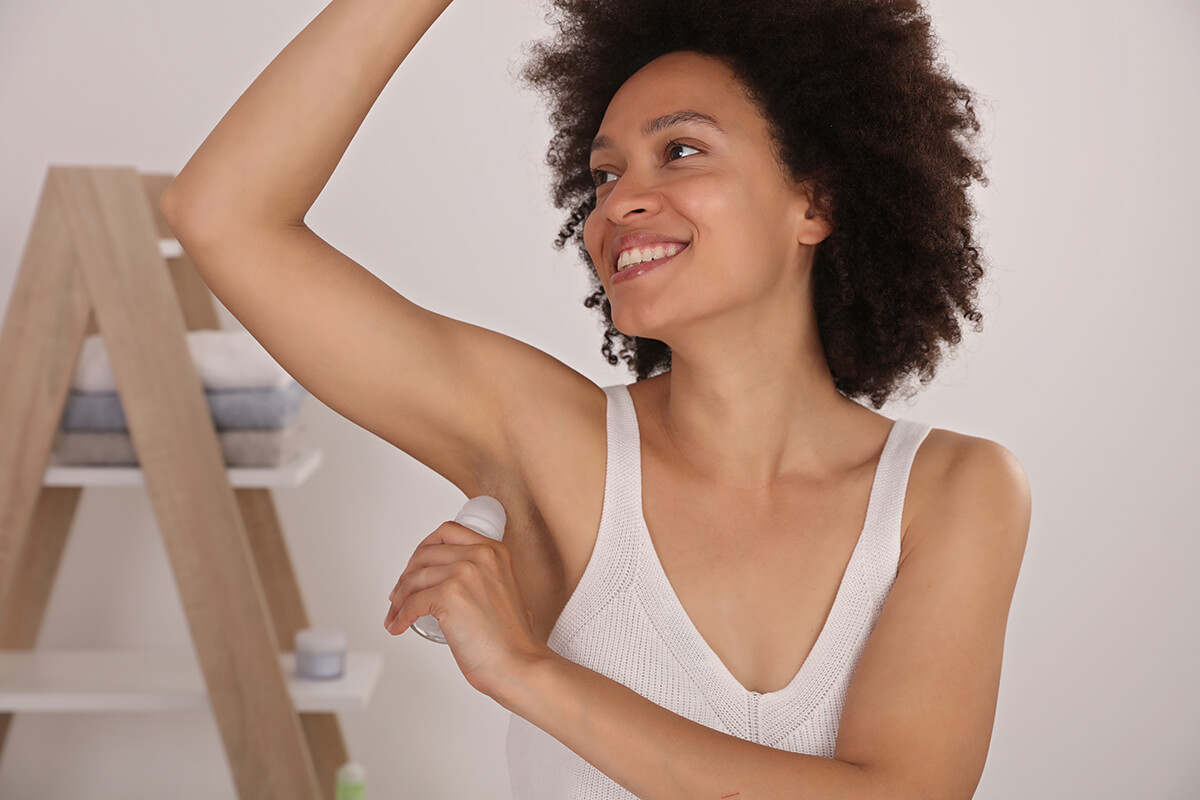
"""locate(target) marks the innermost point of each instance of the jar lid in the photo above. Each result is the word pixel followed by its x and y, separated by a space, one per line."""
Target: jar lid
pixel 314 640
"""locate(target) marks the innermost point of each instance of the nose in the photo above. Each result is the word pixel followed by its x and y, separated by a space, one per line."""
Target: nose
pixel 631 194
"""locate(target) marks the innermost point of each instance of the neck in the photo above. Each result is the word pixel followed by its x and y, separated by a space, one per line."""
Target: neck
pixel 749 403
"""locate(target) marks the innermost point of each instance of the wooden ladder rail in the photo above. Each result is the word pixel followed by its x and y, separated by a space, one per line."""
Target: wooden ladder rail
pixel 92 264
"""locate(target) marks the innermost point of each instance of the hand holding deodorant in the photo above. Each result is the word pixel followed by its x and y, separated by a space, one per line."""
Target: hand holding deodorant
pixel 485 516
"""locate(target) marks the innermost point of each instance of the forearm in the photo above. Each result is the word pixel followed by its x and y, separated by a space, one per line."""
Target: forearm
pixel 659 755
pixel 273 152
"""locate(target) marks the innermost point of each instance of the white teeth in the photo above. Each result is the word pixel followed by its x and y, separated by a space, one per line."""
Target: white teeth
pixel 637 255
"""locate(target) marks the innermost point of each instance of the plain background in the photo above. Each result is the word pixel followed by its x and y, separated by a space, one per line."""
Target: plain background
pixel 1085 369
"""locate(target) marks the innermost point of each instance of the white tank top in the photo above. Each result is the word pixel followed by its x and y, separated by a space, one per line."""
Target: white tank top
pixel 625 621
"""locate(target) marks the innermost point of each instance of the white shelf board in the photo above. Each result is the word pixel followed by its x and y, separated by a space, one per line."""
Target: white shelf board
pixel 288 475
pixel 156 680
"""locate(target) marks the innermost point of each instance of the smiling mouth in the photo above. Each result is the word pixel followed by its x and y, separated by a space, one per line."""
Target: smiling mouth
pixel 668 248
pixel 634 270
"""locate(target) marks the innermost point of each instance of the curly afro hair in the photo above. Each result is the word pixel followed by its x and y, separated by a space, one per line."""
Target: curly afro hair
pixel 858 105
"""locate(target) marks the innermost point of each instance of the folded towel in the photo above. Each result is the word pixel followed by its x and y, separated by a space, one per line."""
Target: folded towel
pixel 231 409
pixel 223 360
pixel 115 448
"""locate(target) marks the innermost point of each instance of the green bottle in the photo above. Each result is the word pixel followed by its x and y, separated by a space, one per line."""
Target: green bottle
pixel 351 782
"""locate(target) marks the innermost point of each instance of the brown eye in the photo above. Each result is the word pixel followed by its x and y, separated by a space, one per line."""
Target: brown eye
pixel 596 173
pixel 674 145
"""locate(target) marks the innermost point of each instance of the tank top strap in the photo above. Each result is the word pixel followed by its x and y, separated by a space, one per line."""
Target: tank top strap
pixel 885 508
pixel 614 562
pixel 614 559
pixel 623 469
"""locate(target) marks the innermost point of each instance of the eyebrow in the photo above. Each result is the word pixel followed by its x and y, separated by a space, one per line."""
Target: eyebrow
pixel 659 124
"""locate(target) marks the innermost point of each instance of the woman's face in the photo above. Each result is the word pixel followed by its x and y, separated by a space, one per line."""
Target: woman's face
pixel 712 188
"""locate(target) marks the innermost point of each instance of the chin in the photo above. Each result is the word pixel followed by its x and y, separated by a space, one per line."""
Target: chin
pixel 637 325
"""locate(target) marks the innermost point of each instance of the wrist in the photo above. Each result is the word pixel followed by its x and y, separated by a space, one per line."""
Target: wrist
pixel 530 683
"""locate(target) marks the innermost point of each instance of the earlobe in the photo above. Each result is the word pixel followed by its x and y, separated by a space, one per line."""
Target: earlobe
pixel 815 228
pixel 817 224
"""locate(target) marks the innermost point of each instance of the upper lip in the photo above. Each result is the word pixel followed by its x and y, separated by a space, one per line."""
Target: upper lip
pixel 640 239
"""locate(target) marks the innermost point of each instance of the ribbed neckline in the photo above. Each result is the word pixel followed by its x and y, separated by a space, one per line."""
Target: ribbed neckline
pixel 815 676
pixel 624 561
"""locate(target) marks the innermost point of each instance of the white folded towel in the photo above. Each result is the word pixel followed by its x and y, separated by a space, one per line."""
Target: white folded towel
pixel 223 360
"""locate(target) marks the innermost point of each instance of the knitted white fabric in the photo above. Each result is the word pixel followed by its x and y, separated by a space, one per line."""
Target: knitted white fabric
pixel 625 621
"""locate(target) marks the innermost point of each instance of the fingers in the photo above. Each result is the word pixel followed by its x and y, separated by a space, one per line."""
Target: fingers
pixel 453 555
pixel 413 582
pixel 451 532
pixel 486 554
pixel 416 605
pixel 430 592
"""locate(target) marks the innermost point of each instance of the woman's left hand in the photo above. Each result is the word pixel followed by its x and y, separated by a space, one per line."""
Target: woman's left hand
pixel 465 580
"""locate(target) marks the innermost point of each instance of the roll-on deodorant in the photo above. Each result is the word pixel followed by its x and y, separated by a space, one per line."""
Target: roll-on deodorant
pixel 485 516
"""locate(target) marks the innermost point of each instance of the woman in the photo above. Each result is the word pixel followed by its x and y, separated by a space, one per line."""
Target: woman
pixel 728 579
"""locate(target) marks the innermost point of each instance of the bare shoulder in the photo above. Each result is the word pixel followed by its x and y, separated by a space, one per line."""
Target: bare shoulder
pixel 920 711
pixel 964 477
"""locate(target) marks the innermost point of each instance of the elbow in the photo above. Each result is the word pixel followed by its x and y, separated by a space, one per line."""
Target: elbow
pixel 192 209
pixel 192 218
pixel 166 204
pixel 174 211
pixel 199 218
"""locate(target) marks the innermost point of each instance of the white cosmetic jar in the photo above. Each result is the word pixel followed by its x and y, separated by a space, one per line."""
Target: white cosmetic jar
pixel 320 654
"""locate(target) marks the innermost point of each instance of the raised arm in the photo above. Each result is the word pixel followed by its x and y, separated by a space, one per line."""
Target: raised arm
pixel 273 152
pixel 464 400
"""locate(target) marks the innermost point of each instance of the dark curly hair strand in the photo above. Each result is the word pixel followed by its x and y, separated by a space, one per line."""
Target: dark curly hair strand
pixel 858 105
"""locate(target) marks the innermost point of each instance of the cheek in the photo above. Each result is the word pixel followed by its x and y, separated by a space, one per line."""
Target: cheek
pixel 718 205
pixel 725 217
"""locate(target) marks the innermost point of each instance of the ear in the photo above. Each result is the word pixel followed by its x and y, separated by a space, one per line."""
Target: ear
pixel 818 217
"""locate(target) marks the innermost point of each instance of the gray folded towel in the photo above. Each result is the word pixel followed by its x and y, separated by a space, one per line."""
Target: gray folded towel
pixel 232 409
pixel 250 448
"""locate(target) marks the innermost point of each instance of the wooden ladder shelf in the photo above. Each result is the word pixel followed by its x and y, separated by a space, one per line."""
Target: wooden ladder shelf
pixel 95 263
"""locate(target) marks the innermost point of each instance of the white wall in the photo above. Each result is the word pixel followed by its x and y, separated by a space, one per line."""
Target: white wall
pixel 1085 369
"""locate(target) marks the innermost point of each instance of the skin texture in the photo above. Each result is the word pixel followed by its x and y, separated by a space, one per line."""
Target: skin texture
pixel 750 410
